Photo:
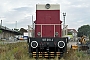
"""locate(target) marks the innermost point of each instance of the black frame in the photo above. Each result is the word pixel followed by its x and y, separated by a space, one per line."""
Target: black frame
pixel 52 46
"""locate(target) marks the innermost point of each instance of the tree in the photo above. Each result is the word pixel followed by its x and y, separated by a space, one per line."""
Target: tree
pixel 0 31
pixel 84 30
pixel 22 30
pixel 16 29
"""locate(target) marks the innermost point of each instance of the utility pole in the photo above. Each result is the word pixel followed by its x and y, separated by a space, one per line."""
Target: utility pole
pixel 31 33
pixel 16 25
pixel 32 27
pixel 32 22
pixel 64 14
pixel 28 30
pixel 1 22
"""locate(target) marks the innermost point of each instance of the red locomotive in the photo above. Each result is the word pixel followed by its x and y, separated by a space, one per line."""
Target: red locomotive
pixel 48 40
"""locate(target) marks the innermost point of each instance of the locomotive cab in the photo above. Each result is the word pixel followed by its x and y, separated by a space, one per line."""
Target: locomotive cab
pixel 48 40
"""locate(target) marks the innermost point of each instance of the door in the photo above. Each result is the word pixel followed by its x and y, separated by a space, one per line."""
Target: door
pixel 48 30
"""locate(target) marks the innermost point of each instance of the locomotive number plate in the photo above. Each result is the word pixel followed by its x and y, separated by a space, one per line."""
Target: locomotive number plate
pixel 47 39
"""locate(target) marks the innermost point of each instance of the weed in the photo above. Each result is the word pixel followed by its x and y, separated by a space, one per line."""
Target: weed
pixel 18 51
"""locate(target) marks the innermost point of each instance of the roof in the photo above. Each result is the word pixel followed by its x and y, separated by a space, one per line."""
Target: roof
pixel 72 30
pixel 47 6
pixel 4 28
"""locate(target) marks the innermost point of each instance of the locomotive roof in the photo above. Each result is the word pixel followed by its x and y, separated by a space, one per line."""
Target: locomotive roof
pixel 52 7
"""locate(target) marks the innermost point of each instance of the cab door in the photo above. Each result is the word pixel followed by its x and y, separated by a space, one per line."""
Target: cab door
pixel 48 30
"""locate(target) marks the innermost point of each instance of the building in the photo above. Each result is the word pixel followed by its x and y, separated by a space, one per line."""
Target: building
pixel 72 32
pixel 7 33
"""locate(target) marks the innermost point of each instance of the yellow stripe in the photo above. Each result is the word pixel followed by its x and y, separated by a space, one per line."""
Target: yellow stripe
pixel 46 56
pixel 34 52
pixel 34 56
pixel 40 56
pixel 51 52
pixel 57 52
pixel 52 56
pixel 45 52
pixel 40 52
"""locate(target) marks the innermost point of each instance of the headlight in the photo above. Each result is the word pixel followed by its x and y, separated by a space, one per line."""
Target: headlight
pixel 39 34
pixel 61 44
pixel 34 44
pixel 47 6
pixel 56 33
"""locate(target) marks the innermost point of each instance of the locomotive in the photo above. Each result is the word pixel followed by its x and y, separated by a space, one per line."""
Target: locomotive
pixel 48 41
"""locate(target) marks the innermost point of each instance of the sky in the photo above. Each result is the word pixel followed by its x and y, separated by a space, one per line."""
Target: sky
pixel 18 13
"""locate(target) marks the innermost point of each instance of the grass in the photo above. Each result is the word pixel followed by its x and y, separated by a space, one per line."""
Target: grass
pixel 16 51
pixel 75 55
pixel 19 51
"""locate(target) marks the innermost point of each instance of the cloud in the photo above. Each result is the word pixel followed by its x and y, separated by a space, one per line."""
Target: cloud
pixel 77 12
pixel 22 9
pixel 80 21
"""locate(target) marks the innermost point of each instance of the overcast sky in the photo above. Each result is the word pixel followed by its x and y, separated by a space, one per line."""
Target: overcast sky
pixel 77 12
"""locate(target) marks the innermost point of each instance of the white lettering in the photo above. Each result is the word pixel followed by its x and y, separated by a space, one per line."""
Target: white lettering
pixel 47 39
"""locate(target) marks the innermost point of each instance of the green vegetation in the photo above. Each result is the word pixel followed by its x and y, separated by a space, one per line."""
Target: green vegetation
pixel 75 55
pixel 19 51
pixel 14 51
pixel 84 30
pixel 16 29
pixel 22 30
pixel 0 31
